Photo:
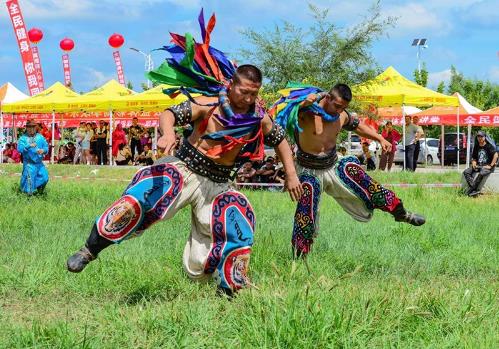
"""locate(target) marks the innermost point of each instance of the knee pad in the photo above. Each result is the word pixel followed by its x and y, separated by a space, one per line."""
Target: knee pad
pixel 232 226
pixel 145 201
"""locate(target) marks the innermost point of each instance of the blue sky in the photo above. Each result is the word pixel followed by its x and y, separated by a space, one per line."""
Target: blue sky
pixel 464 33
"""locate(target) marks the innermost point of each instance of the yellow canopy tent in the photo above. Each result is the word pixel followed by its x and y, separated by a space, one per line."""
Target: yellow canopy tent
pixel 390 89
pixel 49 101
pixel 150 100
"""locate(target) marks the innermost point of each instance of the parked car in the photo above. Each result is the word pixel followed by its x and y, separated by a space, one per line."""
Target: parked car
pixel 428 152
pixel 451 147
pixel 356 146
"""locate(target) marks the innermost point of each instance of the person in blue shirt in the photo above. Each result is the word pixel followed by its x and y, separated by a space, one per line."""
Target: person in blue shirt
pixel 33 148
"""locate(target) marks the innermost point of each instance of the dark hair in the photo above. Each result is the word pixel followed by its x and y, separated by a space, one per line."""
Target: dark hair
pixel 365 143
pixel 388 123
pixel 249 72
pixel 343 91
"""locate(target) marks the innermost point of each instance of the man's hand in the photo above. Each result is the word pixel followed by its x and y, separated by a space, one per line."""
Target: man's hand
pixel 487 167
pixel 311 98
pixel 293 186
pixel 473 165
pixel 40 151
pixel 386 146
pixel 33 145
pixel 167 142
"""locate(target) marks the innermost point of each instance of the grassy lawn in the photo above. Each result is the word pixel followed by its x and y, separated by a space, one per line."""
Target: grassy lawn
pixel 381 284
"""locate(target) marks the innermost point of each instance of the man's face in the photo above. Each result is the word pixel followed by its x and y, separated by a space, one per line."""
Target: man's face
pixel 481 140
pixel 335 105
pixel 247 166
pixel 415 120
pixel 134 122
pixel 31 130
pixel 407 120
pixel 242 95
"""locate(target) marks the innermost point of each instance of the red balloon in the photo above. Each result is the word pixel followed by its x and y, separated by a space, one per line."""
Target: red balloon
pixel 66 44
pixel 35 35
pixel 116 40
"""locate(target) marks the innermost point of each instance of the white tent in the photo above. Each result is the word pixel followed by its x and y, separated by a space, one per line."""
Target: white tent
pixel 8 94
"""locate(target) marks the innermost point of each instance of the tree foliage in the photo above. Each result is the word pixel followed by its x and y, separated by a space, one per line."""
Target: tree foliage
pixel 321 55
pixel 421 77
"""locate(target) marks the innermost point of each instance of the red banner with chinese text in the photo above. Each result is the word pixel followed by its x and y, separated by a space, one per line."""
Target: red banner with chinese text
pixel 17 20
pixel 119 67
pixel 67 69
pixel 38 67
pixel 451 120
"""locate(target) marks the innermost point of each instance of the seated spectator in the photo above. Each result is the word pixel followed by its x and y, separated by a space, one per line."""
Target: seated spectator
pixel 483 162
pixel 124 156
pixel 342 152
pixel 146 157
pixel 267 172
pixel 280 175
pixel 67 153
pixel 367 157
pixel 246 173
pixel 10 154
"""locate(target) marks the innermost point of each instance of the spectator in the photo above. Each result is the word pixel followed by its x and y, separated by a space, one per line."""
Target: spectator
pixel 342 152
pixel 135 132
pixel 85 144
pixel 392 136
pixel 124 156
pixel 57 140
pixel 411 131
pixel 246 173
pixel 93 144
pixel 119 138
pixel 101 143
pixel 367 157
pixel 10 154
pixel 79 135
pixel 483 162
pixel 267 172
pixel 280 175
pixel 146 157
pixel 146 139
pixel 67 154
pixel 419 135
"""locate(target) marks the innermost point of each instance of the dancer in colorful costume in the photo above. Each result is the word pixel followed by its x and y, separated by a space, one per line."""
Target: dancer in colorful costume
pixel 227 126
pixel 33 148
pixel 314 118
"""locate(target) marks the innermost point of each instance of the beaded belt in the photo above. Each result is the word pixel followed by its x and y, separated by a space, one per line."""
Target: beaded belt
pixel 199 163
pixel 316 162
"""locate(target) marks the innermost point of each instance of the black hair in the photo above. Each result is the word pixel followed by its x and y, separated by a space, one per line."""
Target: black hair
pixel 249 72
pixel 343 91
pixel 388 123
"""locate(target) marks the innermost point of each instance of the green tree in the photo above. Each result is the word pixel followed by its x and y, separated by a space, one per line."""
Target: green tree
pixel 129 85
pixel 321 55
pixel 441 87
pixel 421 77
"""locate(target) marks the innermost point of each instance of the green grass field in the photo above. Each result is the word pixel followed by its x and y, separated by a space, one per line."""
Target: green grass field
pixel 381 284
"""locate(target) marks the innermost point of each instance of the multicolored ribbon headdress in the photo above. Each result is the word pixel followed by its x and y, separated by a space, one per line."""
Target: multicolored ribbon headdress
pixel 198 68
pixel 285 110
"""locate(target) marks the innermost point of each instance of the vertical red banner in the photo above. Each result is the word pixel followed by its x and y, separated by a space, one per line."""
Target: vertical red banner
pixel 67 69
pixel 17 20
pixel 119 67
pixel 38 67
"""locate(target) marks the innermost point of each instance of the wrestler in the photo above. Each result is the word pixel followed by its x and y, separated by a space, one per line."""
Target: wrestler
pixel 228 126
pixel 314 119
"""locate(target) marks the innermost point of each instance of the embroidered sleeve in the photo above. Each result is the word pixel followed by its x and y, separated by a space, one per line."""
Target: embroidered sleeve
pixel 275 136
pixel 182 113
pixel 352 122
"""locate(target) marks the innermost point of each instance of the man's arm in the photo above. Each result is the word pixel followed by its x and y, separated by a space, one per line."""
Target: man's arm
pixel 275 137
pixel 367 132
pixel 179 115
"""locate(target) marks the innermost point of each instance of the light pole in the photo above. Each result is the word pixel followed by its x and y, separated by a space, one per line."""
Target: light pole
pixel 149 64
pixel 421 44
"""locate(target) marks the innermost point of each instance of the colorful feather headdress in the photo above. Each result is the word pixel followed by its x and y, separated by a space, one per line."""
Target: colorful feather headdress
pixel 198 68
pixel 285 110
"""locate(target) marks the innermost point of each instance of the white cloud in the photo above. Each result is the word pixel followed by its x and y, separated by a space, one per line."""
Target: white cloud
pixel 416 17
pixel 437 77
pixel 97 78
